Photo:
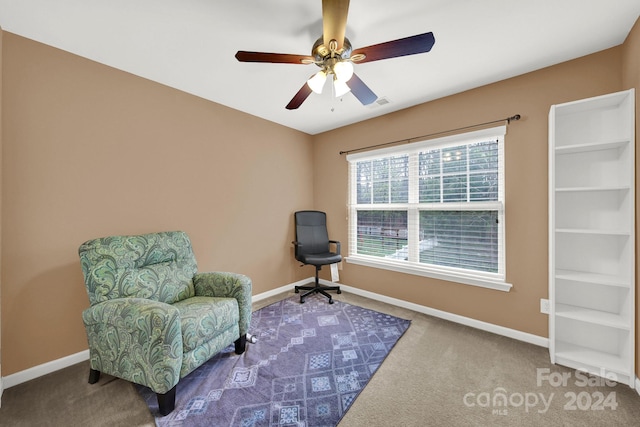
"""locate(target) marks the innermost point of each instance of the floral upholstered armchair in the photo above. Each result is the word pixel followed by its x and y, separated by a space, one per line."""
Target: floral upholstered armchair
pixel 152 318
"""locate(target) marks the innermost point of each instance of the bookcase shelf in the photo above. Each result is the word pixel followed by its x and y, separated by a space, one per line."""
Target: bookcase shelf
pixel 583 358
pixel 591 189
pixel 592 235
pixel 594 278
pixel 592 146
pixel 597 317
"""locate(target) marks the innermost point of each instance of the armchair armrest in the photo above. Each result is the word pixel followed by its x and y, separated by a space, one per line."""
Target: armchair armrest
pixel 227 285
pixel 136 339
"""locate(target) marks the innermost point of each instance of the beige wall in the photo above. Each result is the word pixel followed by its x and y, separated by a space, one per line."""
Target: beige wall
pixel 530 95
pixel 526 191
pixel 1 38
pixel 91 151
pixel 631 79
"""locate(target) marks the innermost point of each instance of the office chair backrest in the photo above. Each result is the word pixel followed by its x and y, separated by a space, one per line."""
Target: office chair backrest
pixel 311 232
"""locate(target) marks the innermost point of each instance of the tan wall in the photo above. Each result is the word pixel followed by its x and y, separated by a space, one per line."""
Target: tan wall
pixel 526 205
pixel 91 151
pixel 1 33
pixel 631 79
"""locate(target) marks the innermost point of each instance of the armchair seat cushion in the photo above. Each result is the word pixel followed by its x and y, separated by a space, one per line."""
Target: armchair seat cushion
pixel 203 318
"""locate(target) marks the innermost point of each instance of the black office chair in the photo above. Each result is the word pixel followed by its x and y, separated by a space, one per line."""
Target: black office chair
pixel 313 247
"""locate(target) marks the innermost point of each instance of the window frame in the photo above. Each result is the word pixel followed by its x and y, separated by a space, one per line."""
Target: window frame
pixel 413 208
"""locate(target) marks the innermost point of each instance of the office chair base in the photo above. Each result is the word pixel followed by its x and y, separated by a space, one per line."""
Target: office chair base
pixel 316 289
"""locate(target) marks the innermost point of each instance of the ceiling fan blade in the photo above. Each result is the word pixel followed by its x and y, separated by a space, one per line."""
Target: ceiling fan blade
pixel 420 43
pixel 299 97
pixel 284 58
pixel 334 21
pixel 361 91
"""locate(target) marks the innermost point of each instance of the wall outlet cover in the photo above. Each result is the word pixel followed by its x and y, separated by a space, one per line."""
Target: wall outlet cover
pixel 544 306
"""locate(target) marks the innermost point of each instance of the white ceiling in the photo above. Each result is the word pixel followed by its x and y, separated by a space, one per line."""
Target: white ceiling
pixel 190 45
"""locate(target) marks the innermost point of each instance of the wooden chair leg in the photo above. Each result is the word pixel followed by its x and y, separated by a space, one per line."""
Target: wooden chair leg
pixel 94 376
pixel 241 344
pixel 167 401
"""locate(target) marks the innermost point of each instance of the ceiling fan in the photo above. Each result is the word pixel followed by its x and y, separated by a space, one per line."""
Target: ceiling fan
pixel 333 53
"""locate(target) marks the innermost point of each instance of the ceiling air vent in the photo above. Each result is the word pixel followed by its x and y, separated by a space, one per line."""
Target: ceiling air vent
pixel 380 102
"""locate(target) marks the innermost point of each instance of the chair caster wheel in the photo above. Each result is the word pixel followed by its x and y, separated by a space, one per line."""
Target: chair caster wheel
pixel 301 301
pixel 339 291
pixel 296 290
pixel 330 301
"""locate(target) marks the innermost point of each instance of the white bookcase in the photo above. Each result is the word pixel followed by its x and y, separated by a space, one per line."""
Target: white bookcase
pixel 592 236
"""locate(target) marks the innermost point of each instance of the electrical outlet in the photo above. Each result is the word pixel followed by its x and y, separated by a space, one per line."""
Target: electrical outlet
pixel 544 306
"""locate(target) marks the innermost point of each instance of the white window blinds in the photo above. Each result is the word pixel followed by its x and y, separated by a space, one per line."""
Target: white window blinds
pixel 433 206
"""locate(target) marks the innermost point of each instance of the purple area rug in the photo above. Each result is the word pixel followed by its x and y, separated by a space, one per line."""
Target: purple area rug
pixel 310 363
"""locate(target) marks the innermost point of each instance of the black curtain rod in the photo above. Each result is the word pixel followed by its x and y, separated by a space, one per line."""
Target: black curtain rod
pixel 408 140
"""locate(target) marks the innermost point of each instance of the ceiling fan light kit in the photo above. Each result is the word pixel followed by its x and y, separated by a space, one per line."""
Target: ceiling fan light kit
pixel 343 71
pixel 316 83
pixel 333 53
pixel 340 87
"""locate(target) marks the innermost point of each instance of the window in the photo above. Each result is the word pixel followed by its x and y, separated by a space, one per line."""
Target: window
pixel 434 208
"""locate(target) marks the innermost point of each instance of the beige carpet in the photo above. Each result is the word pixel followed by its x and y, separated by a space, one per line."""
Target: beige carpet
pixel 439 374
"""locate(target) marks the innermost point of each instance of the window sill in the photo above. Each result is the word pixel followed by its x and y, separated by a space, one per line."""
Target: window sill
pixel 419 270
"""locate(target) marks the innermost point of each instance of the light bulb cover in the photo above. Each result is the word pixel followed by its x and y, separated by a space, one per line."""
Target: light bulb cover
pixel 343 70
pixel 340 87
pixel 316 83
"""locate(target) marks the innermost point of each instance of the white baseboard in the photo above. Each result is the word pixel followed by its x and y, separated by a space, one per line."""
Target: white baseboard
pixel 467 321
pixel 54 365
pixel 280 290
pixel 44 369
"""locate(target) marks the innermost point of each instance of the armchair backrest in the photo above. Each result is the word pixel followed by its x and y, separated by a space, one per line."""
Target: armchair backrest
pixel 311 233
pixel 156 266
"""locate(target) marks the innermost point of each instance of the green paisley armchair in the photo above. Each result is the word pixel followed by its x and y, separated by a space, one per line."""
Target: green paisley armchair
pixel 152 317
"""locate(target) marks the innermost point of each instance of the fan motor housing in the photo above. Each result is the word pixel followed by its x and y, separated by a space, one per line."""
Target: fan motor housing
pixel 322 53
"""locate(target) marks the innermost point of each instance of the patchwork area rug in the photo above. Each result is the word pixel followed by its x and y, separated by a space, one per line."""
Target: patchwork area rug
pixel 310 363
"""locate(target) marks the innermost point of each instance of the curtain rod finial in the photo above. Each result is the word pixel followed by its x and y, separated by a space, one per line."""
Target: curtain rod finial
pixel 516 117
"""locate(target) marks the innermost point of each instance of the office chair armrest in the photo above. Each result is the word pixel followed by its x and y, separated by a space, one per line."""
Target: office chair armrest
pixel 335 242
